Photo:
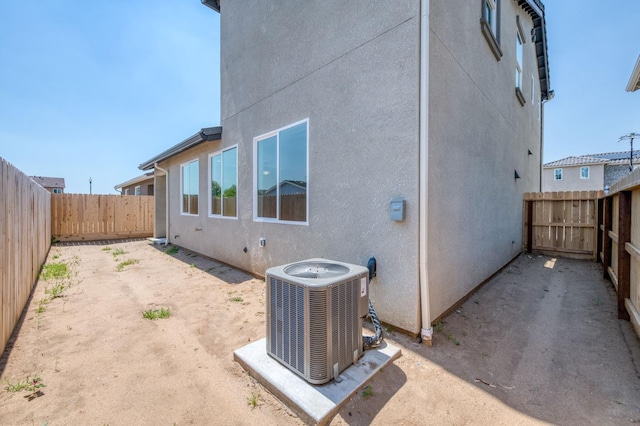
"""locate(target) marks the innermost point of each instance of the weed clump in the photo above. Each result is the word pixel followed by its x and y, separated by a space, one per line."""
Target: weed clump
pixel 154 314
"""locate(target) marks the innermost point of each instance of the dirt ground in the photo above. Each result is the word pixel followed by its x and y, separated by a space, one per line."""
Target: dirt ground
pixel 540 343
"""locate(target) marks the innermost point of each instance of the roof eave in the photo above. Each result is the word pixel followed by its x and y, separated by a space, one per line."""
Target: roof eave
pixel 213 4
pixel 634 81
pixel 135 180
pixel 535 9
pixel 204 135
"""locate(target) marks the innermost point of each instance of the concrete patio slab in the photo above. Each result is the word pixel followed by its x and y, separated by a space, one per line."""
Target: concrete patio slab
pixel 315 404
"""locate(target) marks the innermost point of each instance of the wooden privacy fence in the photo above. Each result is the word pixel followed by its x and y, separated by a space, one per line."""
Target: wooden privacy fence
pixel 79 217
pixel 561 223
pixel 619 244
pixel 25 239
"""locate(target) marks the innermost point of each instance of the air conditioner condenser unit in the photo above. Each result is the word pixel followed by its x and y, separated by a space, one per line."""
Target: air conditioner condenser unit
pixel 314 311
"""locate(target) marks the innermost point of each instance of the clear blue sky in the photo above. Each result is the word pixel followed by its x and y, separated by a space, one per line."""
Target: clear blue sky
pixel 94 89
pixel 593 47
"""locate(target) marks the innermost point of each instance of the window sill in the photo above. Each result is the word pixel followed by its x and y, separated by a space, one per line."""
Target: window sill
pixel 491 39
pixel 520 96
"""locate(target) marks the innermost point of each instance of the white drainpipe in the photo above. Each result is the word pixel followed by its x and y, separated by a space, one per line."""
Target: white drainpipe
pixel 426 331
pixel 166 213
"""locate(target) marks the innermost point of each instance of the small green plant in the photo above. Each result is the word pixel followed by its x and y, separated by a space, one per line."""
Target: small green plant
pixel 127 262
pixel 438 327
pixel 154 314
pixel 118 252
pixel 596 301
pixel 457 342
pixel 55 291
pixel 107 248
pixel 236 299
pixel 32 384
pixel 172 250
pixel 253 399
pixel 192 265
pixel 40 309
pixel 448 336
pixel 54 271
pixel 55 256
pixel 367 392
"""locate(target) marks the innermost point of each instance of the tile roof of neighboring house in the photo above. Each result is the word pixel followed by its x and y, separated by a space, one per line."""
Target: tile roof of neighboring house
pixel 206 134
pixel 49 182
pixel 604 158
pixel 135 180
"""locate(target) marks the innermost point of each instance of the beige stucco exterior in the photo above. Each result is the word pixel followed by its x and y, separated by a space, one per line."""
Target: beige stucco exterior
pixel 353 71
pixel 571 180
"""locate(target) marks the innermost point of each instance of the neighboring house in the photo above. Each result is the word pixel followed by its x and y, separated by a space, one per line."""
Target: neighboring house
pixel 52 184
pixel 588 172
pixel 141 185
pixel 437 103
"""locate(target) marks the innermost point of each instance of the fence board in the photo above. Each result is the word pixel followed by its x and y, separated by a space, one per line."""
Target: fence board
pixel 85 217
pixel 564 223
pixel 25 239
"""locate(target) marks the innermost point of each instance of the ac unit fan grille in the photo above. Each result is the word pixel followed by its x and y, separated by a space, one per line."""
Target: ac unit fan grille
pixel 344 313
pixel 318 368
pixel 287 323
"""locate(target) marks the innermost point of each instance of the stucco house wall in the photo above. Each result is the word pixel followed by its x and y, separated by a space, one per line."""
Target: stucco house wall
pixel 146 188
pixel 571 180
pixel 351 70
pixel 479 137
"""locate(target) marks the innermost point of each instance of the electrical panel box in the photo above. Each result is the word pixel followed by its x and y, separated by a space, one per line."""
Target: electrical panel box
pixel 397 210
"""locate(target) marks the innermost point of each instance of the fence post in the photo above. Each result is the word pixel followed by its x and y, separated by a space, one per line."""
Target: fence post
pixel 606 240
pixel 624 259
pixel 530 226
pixel 600 207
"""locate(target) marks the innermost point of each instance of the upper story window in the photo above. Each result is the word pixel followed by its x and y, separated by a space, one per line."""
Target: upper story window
pixel 57 191
pixel 281 170
pixel 584 172
pixel 519 61
pixel 224 183
pixel 126 191
pixel 490 25
pixel 137 190
pixel 557 174
pixel 189 173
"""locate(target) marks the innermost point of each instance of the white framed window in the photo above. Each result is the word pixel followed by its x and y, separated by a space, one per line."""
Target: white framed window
pixel 281 175
pixel 533 89
pixel 490 15
pixel 223 183
pixel 126 191
pixel 557 174
pixel 189 187
pixel 137 190
pixel 519 61
pixel 57 191
pixel 584 172
pixel 490 25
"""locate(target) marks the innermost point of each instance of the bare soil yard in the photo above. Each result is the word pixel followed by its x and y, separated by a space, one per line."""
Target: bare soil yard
pixel 103 363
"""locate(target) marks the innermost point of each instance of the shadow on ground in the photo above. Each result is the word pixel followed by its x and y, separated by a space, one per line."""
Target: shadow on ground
pixel 543 337
pixel 217 269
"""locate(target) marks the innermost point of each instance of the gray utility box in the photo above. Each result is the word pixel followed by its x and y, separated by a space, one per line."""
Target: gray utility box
pixel 314 316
